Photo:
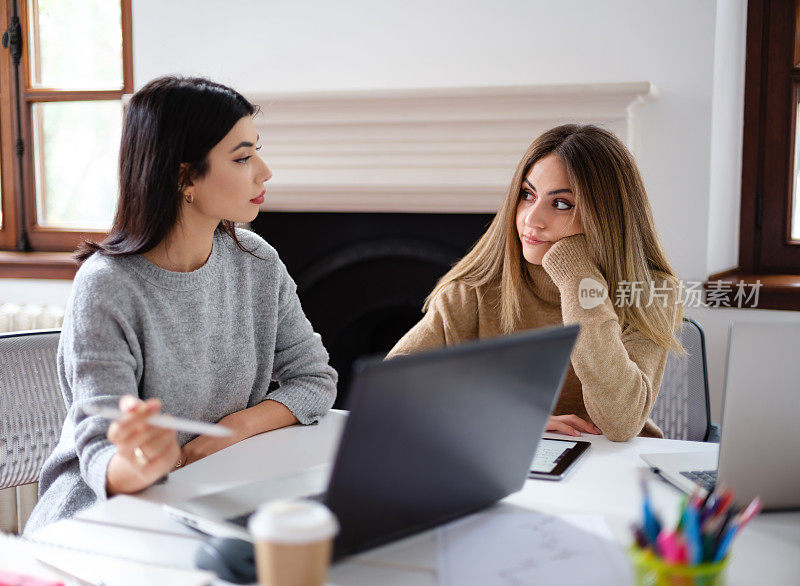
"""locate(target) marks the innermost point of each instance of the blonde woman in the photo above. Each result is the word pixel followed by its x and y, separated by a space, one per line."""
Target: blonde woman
pixel 575 220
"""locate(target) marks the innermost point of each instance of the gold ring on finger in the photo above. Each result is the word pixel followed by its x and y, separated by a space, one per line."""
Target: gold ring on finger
pixel 141 457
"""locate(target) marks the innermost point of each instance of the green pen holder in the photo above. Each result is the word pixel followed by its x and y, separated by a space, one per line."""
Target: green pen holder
pixel 650 570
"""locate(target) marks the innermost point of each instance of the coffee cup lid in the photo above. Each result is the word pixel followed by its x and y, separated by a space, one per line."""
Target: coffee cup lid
pixel 293 521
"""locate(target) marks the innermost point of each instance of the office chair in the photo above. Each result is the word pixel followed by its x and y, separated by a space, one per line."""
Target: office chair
pixel 682 409
pixel 31 417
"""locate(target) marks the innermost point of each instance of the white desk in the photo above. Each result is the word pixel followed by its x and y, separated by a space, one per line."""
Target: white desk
pixel 605 481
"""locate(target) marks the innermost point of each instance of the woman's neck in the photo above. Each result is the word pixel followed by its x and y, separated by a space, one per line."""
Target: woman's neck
pixel 184 249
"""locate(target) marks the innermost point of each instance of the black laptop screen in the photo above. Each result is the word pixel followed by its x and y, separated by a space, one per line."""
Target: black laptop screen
pixel 440 434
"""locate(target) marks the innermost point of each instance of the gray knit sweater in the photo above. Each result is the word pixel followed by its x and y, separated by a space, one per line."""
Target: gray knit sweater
pixel 207 343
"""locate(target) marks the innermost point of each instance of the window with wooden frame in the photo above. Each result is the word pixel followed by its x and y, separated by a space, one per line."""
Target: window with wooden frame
pixel 769 240
pixel 60 128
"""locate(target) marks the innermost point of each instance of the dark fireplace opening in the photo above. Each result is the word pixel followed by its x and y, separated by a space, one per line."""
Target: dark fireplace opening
pixel 362 277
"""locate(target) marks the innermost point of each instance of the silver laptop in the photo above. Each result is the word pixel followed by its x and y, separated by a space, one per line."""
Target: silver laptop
pixel 759 453
pixel 430 437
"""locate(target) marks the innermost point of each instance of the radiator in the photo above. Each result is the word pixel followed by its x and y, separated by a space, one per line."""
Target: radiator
pixel 16 503
pixel 15 318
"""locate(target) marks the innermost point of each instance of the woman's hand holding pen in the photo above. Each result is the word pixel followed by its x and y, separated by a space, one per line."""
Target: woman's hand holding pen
pixel 145 453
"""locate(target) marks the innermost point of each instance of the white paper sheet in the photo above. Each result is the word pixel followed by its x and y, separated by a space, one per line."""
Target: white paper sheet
pixel 520 548
pixel 19 555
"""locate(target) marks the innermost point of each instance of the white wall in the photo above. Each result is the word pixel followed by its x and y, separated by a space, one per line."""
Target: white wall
pixel 715 324
pixel 38 291
pixel 726 136
pixel 261 46
pixel 693 50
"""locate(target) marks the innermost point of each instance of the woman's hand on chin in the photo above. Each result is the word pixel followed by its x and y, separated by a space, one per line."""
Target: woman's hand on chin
pixel 571 425
pixel 569 244
pixel 572 236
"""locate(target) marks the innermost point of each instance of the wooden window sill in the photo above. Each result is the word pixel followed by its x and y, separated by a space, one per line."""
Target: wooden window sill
pixel 37 265
pixel 778 291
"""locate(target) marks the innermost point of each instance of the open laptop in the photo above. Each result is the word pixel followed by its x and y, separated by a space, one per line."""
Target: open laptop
pixel 430 437
pixel 759 453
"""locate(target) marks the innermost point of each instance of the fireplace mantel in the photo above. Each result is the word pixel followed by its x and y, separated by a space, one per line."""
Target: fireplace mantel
pixel 435 150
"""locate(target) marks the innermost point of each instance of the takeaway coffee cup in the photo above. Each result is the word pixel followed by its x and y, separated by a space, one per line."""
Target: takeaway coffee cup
pixel 294 541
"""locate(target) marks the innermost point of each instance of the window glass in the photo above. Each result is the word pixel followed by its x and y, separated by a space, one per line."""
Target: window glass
pixel 75 44
pixel 76 145
pixel 1 199
pixel 795 231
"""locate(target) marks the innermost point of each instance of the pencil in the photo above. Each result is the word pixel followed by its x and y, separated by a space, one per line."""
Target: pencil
pixel 164 421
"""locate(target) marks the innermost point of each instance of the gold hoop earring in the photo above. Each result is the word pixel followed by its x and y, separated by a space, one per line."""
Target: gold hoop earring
pixel 189 198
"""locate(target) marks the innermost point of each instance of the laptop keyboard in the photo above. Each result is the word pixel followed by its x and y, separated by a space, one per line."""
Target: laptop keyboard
pixel 705 478
pixel 242 520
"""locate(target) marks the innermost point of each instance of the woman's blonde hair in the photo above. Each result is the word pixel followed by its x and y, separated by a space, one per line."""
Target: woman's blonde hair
pixel 617 220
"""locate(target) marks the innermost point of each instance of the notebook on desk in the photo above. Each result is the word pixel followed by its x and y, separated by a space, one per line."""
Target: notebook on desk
pixel 430 437
pixel 758 452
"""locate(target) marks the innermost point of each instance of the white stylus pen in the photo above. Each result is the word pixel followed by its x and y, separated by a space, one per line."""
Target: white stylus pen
pixel 165 421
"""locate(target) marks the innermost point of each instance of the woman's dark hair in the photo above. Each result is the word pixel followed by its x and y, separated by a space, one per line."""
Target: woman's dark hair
pixel 170 121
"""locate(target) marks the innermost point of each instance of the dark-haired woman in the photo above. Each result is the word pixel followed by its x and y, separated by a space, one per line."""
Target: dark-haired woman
pixel 178 310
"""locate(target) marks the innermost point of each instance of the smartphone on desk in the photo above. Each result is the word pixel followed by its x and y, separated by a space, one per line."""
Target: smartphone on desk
pixel 555 457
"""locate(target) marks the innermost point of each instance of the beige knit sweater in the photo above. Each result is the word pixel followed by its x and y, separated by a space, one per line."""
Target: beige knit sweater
pixel 614 375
